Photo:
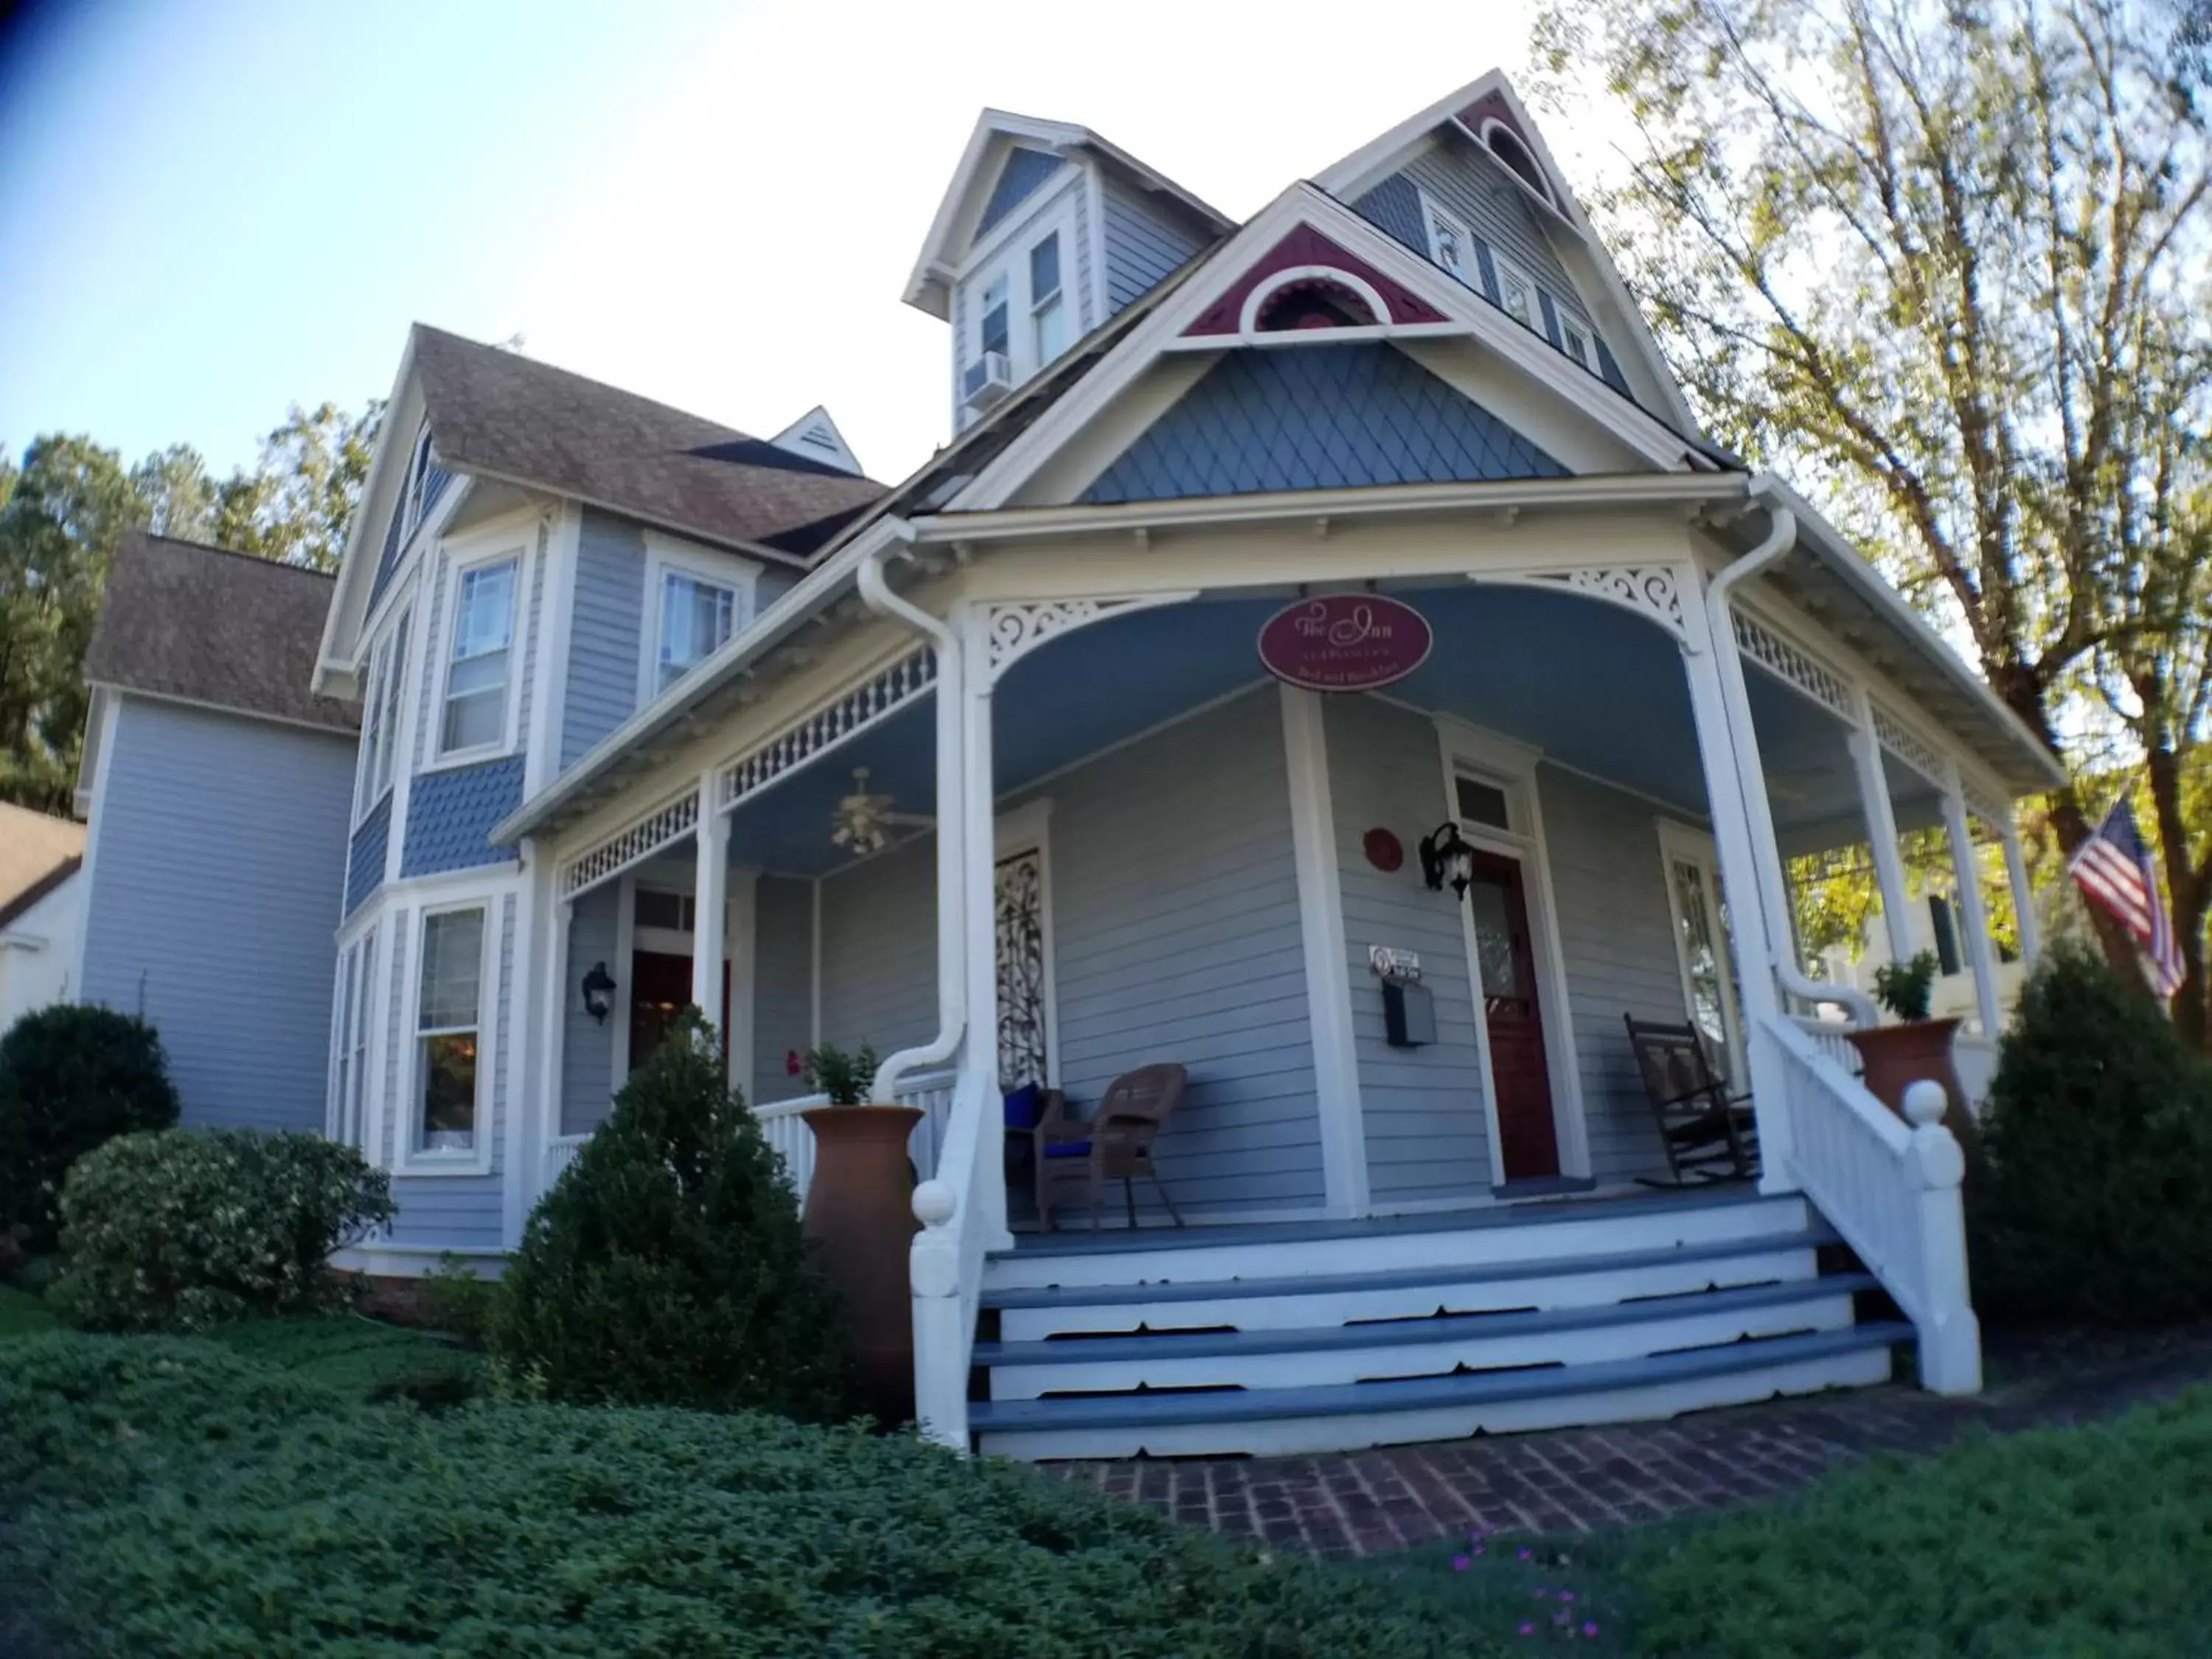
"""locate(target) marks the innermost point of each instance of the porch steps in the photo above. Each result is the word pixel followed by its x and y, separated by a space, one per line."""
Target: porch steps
pixel 1417 1328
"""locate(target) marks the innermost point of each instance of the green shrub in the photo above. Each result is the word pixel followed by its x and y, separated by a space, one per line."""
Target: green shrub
pixel 240 1517
pixel 363 1358
pixel 459 1299
pixel 666 1264
pixel 71 1078
pixel 2094 1202
pixel 190 1228
pixel 843 1080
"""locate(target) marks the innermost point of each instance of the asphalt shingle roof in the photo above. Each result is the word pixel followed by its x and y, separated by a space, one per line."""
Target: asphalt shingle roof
pixel 208 625
pixel 502 414
pixel 37 854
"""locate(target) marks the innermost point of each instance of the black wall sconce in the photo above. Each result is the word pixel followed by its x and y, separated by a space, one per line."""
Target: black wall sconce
pixel 598 992
pixel 1446 857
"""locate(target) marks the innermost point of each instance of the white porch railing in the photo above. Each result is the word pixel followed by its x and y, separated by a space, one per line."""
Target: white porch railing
pixel 793 1141
pixel 1831 1038
pixel 1891 1191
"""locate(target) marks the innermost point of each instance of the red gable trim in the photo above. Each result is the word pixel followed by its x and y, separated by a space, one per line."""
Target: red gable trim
pixel 1491 106
pixel 1307 247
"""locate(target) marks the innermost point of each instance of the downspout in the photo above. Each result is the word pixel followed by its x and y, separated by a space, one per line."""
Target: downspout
pixel 952 954
pixel 1751 775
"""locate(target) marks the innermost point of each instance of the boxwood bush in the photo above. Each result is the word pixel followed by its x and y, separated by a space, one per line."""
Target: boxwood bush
pixel 189 1228
pixel 173 1499
pixel 72 1078
pixel 666 1264
pixel 2094 1200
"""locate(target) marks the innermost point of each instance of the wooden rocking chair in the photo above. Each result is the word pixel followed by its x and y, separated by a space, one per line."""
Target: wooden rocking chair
pixel 1709 1133
pixel 1113 1144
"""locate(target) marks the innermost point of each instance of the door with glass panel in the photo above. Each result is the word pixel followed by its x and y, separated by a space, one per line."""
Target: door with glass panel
pixel 1513 1018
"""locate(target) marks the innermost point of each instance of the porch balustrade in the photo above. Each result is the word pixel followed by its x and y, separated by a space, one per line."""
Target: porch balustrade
pixel 1832 1040
pixel 1891 1189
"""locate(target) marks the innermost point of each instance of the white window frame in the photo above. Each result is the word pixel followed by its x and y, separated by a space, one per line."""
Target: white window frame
pixel 351 1026
pixel 411 1157
pixel 1005 253
pixel 1680 843
pixel 1434 213
pixel 1573 333
pixel 519 543
pixel 1472 752
pixel 384 713
pixel 663 555
pixel 411 503
pixel 1508 273
pixel 1062 295
pixel 1027 829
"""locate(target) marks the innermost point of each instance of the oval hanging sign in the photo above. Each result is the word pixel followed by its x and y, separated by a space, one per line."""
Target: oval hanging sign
pixel 1344 642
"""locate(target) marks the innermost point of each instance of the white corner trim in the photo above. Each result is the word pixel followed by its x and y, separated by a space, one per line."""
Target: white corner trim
pixel 106 715
pixel 623 968
pixel 556 608
pixel 1327 958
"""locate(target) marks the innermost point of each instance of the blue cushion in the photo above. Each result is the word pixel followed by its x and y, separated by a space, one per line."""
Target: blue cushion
pixel 1025 1106
pixel 1067 1149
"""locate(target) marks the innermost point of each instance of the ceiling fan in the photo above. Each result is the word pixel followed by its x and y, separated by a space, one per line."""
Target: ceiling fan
pixel 862 823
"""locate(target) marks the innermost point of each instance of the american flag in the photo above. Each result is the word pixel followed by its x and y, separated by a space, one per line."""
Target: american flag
pixel 2115 872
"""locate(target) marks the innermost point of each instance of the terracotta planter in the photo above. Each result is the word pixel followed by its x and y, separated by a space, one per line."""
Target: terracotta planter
pixel 1897 1056
pixel 860 1213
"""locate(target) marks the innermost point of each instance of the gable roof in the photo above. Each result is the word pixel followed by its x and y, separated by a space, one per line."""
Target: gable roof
pixel 38 854
pixel 208 625
pixel 815 436
pixel 998 131
pixel 500 415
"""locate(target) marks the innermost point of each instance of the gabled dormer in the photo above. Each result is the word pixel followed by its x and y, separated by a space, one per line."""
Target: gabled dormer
pixel 1046 231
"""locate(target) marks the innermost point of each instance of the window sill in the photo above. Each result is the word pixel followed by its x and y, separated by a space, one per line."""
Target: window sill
pixel 465 757
pixel 444 1164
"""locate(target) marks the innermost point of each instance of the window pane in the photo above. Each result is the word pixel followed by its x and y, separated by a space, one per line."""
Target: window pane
pixel 1496 959
pixel 485 618
pixel 1482 803
pixel 992 333
pixel 476 684
pixel 477 718
pixel 1451 250
pixel 1051 331
pixel 395 664
pixel 696 620
pixel 659 910
pixel 1701 961
pixel 453 963
pixel 1044 269
pixel 449 1092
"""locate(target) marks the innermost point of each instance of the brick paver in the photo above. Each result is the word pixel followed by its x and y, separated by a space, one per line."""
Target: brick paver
pixel 1576 1480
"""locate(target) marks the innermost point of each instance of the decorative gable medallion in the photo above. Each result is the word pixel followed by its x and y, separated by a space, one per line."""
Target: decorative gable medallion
pixel 1321 286
pixel 1489 121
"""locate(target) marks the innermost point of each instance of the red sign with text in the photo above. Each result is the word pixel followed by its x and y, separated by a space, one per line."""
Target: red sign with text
pixel 1345 643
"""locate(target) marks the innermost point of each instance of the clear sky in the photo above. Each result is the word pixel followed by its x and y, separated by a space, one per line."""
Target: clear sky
pixel 213 209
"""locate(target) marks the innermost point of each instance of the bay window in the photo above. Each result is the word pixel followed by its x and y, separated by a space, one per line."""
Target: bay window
pixel 479 657
pixel 447 1025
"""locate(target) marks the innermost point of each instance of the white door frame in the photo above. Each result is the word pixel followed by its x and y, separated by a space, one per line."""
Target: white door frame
pixel 737 952
pixel 1693 846
pixel 1470 751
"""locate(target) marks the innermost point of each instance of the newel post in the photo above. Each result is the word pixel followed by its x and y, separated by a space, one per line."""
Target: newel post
pixel 940 1321
pixel 1949 1335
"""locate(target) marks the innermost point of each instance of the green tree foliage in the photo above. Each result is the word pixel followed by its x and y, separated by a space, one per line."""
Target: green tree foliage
pixel 64 508
pixel 1949 264
pixel 71 1078
pixel 666 1264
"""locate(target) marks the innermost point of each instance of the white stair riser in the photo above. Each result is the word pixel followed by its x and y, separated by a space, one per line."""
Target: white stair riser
pixel 1597 1234
pixel 1344 1432
pixel 1321 1367
pixel 1325 1309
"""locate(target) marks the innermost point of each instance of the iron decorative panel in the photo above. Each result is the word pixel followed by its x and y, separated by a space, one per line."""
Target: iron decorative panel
pixel 1020 927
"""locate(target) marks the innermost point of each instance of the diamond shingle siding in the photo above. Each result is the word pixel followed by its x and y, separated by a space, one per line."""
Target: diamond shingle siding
pixel 365 856
pixel 1317 417
pixel 1024 171
pixel 450 815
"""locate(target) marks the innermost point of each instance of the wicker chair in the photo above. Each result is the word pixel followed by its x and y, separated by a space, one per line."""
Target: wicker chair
pixel 1113 1144
pixel 1708 1132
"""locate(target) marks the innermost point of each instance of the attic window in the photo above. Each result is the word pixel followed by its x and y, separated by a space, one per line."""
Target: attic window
pixel 1510 149
pixel 1315 302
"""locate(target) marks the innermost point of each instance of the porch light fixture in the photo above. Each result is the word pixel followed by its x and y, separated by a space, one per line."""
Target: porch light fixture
pixel 598 992
pixel 1446 857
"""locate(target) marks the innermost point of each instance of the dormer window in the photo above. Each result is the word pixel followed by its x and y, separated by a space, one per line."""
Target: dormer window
pixel 992 333
pixel 1047 309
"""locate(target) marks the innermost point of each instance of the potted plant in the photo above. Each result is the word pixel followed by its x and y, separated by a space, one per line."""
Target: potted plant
pixel 1897 1056
pixel 860 1213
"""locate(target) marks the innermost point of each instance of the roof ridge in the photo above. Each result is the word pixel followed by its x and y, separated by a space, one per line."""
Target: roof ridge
pixel 238 553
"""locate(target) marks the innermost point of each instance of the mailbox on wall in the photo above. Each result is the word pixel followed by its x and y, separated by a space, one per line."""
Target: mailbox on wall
pixel 1409 1012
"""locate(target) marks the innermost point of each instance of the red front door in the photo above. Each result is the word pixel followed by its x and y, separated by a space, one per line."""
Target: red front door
pixel 660 989
pixel 1514 1016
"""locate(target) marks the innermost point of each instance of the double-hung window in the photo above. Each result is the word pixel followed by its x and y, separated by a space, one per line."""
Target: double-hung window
pixel 480 658
pixel 356 973
pixel 991 334
pixel 697 617
pixel 379 737
pixel 446 1022
pixel 1048 308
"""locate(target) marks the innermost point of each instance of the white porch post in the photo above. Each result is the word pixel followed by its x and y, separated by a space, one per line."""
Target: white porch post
pixel 1882 828
pixel 531 1069
pixel 1748 898
pixel 1328 985
pixel 557 1041
pixel 711 905
pixel 2023 896
pixel 979 888
pixel 1973 915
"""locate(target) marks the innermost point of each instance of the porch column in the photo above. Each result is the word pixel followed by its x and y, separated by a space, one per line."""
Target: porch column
pixel 2023 896
pixel 1735 841
pixel 534 1014
pixel 1882 828
pixel 710 894
pixel 1973 915
pixel 979 887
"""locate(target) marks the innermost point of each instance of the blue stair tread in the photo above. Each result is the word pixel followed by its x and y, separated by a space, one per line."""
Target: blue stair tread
pixel 1424 1392
pixel 1114 1240
pixel 1414 1332
pixel 1392 1278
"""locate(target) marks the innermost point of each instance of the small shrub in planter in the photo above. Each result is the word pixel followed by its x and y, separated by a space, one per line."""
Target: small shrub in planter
pixel 191 1228
pixel 1906 989
pixel 72 1078
pixel 666 1265
pixel 843 1080
pixel 2094 1200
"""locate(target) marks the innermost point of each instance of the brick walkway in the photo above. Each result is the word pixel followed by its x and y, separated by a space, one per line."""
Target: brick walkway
pixel 1575 1479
